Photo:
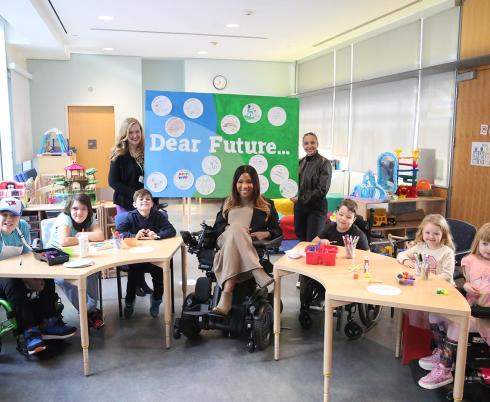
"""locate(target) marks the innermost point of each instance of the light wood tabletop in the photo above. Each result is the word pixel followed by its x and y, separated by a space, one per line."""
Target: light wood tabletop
pixel 158 252
pixel 341 288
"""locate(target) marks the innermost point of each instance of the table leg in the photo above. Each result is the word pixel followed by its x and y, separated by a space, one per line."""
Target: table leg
pixel 168 303
pixel 461 359
pixel 82 303
pixel 277 312
pixel 399 326
pixel 327 349
pixel 183 260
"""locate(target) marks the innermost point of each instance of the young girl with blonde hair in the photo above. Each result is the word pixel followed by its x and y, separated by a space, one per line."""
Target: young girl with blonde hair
pixel 476 269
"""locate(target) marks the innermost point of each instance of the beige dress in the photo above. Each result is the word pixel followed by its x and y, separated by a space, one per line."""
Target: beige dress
pixel 236 255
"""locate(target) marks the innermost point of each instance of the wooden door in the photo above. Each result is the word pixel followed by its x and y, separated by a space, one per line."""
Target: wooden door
pixel 470 200
pixel 91 132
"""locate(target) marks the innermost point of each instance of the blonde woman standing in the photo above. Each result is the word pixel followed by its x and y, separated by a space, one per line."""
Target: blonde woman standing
pixel 126 174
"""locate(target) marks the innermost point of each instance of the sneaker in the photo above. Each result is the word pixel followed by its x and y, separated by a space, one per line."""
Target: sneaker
pixel 95 319
pixel 154 306
pixel 428 362
pixel 34 341
pixel 128 309
pixel 438 377
pixel 55 328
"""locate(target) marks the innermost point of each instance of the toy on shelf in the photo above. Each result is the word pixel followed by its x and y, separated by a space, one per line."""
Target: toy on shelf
pixel 424 188
pixel 388 172
pixel 408 173
pixel 12 189
pixel 77 179
pixel 49 142
pixel 369 189
pixel 380 216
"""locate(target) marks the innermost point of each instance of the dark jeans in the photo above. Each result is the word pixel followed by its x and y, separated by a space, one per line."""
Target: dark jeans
pixel 136 275
pixel 307 224
pixel 29 313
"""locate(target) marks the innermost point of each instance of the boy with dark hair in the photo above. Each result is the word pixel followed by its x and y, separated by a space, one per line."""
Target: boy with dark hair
pixel 145 223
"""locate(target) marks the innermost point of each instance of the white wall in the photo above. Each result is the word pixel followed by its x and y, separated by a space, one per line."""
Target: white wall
pixel 163 75
pixel 244 77
pixel 85 80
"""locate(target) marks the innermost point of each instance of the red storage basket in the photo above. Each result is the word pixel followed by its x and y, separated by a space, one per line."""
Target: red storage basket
pixel 321 255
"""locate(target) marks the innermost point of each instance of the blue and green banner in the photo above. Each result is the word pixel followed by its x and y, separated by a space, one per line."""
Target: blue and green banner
pixel 195 141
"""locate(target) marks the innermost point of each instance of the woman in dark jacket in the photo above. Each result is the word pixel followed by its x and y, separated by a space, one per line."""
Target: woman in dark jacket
pixel 315 175
pixel 245 216
pixel 126 172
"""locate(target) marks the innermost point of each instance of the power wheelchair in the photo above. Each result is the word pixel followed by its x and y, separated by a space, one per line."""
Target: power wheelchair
pixel 251 315
pixel 312 296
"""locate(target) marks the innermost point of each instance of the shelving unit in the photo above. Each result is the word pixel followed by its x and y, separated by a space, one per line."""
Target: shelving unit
pixel 430 205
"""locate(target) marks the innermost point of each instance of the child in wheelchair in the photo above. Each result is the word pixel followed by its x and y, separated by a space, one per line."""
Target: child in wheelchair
pixel 476 270
pixel 245 228
pixel 37 318
pixel 311 292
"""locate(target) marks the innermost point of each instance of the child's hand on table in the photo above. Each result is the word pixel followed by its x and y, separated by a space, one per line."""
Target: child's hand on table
pixel 409 263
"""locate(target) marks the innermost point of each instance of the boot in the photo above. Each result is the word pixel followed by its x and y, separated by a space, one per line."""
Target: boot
pixel 224 305
pixel 262 278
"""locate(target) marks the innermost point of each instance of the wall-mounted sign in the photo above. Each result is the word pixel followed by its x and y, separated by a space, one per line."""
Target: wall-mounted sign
pixel 480 154
pixel 195 141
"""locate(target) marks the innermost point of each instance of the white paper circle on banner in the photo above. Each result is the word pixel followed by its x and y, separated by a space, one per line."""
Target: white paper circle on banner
pixel 252 113
pixel 385 290
pixel 230 124
pixel 277 116
pixel 183 179
pixel 175 127
pixel 156 182
pixel 193 108
pixel 264 183
pixel 288 188
pixel 161 105
pixel 211 165
pixel 205 185
pixel 259 163
pixel 279 174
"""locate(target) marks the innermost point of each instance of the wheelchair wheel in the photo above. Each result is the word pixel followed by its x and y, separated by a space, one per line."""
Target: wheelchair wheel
pixel 353 330
pixel 262 328
pixel 369 314
pixel 305 320
pixel 190 328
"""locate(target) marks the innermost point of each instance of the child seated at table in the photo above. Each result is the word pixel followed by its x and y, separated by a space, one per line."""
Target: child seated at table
pixel 37 318
pixel 144 223
pixel 78 218
pixel 476 269
pixel 334 232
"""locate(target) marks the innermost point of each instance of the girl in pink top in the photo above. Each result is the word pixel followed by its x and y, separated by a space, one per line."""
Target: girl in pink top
pixel 476 269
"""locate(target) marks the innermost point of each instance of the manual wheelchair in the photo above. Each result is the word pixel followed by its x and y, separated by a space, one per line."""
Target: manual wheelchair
pixel 251 315
pixel 312 297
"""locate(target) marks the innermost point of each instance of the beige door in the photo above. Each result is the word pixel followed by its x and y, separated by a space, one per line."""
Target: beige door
pixel 91 132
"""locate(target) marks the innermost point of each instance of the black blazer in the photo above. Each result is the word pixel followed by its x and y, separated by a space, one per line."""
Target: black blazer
pixel 258 223
pixel 124 178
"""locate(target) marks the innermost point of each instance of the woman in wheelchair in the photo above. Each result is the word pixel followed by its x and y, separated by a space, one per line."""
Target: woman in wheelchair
pixel 476 269
pixel 37 319
pixel 244 216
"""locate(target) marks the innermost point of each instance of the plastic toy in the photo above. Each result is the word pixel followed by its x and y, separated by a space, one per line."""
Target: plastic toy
pixel 77 179
pixel 388 172
pixel 48 143
pixel 369 189
pixel 409 173
pixel 380 217
pixel 441 291
pixel 12 189
pixel 424 188
pixel 405 278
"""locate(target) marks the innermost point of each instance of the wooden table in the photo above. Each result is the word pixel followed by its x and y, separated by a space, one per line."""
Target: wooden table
pixel 161 254
pixel 342 289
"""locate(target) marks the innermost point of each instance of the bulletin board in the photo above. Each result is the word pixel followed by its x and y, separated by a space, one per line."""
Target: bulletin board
pixel 195 141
